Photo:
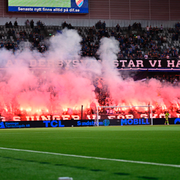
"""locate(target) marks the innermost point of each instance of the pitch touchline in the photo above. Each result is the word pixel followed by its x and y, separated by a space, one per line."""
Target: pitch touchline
pixel 91 157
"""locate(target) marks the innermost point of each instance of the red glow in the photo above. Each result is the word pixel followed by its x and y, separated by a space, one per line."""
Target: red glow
pixel 59 82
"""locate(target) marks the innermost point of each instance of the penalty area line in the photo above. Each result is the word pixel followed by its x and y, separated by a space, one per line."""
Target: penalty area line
pixel 91 157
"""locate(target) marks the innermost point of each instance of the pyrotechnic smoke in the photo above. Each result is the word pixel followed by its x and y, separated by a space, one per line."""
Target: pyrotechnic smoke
pixel 49 82
pixel 60 79
pixel 130 92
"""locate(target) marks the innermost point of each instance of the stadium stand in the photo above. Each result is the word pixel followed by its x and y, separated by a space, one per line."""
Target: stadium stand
pixel 146 39
pixel 134 41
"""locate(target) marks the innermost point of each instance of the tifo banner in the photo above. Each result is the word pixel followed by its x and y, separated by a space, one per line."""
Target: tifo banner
pixel 85 117
pixel 148 63
pixel 83 123
pixel 121 63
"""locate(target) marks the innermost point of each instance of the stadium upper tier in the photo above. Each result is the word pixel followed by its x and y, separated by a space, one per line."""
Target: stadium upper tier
pixel 135 42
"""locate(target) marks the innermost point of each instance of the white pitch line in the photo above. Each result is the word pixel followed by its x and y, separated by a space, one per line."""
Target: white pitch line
pixel 91 157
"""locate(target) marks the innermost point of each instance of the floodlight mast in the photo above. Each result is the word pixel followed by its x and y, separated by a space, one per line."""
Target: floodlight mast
pixel 97 119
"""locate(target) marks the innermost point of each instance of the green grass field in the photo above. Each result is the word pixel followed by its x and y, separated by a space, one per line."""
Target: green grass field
pixel 40 3
pixel 158 144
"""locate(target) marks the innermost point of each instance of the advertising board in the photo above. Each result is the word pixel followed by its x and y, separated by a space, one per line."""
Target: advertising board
pixel 83 123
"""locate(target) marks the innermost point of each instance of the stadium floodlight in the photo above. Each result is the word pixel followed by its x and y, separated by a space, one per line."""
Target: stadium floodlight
pixel 120 109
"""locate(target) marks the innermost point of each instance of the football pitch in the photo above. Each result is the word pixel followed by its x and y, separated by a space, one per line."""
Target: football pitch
pixel 40 3
pixel 91 153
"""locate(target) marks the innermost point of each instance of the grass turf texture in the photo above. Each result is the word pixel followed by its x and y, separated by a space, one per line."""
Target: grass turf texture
pixel 40 3
pixel 160 144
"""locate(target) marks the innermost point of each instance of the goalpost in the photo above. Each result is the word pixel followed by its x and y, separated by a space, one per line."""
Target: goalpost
pixel 147 109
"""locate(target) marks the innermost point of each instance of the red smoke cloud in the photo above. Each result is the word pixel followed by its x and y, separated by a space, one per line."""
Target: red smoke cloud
pixel 49 83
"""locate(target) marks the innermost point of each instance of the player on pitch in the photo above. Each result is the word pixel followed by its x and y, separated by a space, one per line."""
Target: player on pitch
pixel 166 118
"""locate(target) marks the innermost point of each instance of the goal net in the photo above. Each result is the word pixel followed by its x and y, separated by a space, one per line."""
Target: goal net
pixel 124 115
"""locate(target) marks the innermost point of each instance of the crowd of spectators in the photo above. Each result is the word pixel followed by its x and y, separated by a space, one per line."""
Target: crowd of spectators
pixel 66 25
pixel 135 42
pixel 166 79
pixel 13 39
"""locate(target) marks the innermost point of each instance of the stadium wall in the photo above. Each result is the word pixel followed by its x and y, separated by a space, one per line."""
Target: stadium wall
pixel 148 12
